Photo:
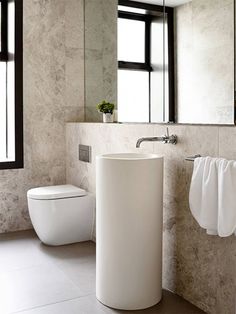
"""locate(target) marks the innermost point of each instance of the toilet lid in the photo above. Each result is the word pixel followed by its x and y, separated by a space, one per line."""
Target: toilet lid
pixel 55 192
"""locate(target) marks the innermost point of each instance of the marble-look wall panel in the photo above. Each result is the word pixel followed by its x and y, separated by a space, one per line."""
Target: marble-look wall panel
pixel 197 266
pixel 53 94
pixel 204 42
pixel 122 137
pixel 100 55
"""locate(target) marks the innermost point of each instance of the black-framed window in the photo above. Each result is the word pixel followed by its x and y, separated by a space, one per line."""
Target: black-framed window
pixel 3 30
pixel 11 84
pixel 134 66
pixel 146 82
pixel 139 58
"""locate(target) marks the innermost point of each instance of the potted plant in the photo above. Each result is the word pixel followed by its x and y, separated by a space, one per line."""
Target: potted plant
pixel 107 109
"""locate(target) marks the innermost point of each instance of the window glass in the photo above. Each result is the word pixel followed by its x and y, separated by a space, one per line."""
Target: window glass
pixel 3 124
pixel 11 111
pixel 131 40
pixel 11 93
pixel 11 85
pixel 133 96
pixel 11 27
pixel 130 9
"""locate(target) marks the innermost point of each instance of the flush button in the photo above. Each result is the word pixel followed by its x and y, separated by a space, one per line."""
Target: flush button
pixel 85 153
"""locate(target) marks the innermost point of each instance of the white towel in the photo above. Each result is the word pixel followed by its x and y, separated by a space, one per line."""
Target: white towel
pixel 227 198
pixel 212 195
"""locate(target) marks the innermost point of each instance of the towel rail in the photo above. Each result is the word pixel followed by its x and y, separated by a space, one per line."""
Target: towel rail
pixel 192 158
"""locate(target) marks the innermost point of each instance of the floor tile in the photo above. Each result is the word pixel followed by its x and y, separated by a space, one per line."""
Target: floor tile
pixel 82 305
pixel 35 286
pixel 81 252
pixel 83 275
pixel 19 250
pixel 170 304
pixel 67 258
pixel 77 261
pixel 38 279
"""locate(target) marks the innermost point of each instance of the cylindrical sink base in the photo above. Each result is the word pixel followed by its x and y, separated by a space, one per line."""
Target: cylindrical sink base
pixel 129 232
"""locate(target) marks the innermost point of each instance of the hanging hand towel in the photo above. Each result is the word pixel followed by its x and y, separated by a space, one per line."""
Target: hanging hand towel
pixel 203 195
pixel 227 198
pixel 211 196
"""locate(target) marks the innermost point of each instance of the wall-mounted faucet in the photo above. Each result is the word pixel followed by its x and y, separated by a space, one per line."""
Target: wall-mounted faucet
pixel 166 139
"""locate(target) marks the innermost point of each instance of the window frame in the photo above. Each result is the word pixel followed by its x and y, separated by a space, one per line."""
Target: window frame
pixel 169 12
pixel 18 64
pixel 4 48
pixel 140 66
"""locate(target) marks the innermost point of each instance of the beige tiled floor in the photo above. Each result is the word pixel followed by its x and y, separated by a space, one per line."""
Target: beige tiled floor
pixel 37 279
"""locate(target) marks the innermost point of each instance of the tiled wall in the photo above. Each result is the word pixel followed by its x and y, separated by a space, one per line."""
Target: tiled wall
pixel 199 267
pixel 100 55
pixel 204 59
pixel 53 94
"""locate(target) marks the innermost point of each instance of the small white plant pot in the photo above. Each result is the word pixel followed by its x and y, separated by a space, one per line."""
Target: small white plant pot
pixel 107 117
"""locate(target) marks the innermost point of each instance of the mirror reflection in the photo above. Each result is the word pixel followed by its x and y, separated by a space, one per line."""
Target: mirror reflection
pixel 175 62
pixel 204 59
pixel 140 63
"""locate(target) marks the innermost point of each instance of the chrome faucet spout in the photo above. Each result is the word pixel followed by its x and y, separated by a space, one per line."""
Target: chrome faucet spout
pixel 149 139
pixel 166 139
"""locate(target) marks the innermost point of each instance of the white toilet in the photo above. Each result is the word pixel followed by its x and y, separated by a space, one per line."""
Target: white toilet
pixel 61 214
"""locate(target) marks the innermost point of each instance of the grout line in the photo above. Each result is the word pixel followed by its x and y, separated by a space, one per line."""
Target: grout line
pixel 53 303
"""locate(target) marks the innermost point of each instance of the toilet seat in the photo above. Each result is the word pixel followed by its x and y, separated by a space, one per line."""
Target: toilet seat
pixel 56 192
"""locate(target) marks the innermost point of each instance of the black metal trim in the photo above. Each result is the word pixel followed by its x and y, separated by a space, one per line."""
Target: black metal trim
pixel 145 6
pixel 171 65
pixel 19 152
pixel 134 66
pixel 234 64
pixel 4 39
pixel 149 100
pixel 169 12
pixel 145 66
pixel 148 43
pixel 132 16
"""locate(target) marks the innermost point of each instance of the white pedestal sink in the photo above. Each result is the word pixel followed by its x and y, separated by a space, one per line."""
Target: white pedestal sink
pixel 129 230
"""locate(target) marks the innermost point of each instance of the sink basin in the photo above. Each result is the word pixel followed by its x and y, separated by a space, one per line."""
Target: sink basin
pixel 130 156
pixel 129 192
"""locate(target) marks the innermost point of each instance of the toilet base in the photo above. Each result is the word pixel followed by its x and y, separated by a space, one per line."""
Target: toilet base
pixel 63 221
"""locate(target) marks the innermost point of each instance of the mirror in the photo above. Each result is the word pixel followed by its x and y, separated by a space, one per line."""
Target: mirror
pixel 100 49
pixel 141 55
pixel 204 61
pixel 176 63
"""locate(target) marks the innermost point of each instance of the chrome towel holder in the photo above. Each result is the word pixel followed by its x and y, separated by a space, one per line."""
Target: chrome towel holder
pixel 192 158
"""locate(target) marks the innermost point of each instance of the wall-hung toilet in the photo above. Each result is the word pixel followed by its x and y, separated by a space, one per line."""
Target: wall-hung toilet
pixel 61 214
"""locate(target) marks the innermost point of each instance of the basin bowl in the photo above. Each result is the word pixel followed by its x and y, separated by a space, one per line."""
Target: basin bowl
pixel 129 219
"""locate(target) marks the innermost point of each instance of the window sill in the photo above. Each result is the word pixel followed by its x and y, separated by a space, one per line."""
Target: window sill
pixel 6 165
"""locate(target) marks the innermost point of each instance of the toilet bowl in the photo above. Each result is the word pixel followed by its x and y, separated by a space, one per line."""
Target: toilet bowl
pixel 61 214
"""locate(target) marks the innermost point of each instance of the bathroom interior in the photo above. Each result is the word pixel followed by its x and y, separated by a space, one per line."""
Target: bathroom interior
pixel 132 216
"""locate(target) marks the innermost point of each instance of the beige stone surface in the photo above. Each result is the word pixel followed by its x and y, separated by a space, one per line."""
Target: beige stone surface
pixel 204 43
pixel 100 55
pixel 53 95
pixel 199 267
pixel 204 32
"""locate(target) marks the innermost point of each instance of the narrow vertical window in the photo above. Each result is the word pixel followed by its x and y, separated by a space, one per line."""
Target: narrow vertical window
pixel 145 62
pixel 11 85
pixel 134 67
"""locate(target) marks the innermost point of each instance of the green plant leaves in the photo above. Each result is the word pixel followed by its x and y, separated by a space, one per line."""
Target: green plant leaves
pixel 105 107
